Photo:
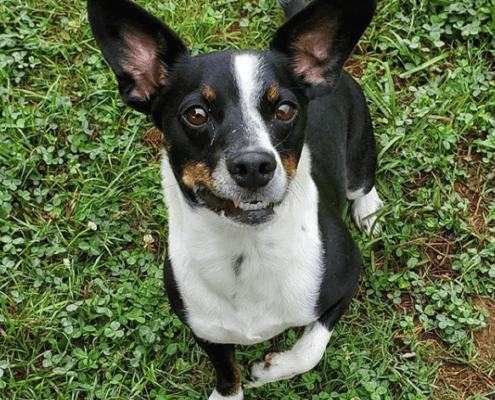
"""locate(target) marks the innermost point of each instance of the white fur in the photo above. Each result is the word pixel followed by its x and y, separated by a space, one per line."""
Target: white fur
pixel 305 354
pixel 364 209
pixel 356 194
pixel 217 396
pixel 279 279
pixel 248 75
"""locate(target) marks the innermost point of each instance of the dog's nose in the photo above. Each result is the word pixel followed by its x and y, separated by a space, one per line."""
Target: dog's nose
pixel 253 169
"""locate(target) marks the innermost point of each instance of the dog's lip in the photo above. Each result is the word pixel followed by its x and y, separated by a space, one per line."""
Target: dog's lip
pixel 252 212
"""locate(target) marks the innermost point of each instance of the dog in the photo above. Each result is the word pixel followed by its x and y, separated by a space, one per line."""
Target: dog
pixel 262 149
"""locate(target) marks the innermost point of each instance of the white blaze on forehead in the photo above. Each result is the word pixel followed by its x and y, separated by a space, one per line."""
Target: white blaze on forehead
pixel 248 74
pixel 247 69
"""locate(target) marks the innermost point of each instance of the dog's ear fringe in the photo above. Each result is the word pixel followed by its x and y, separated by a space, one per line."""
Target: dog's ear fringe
pixel 321 37
pixel 139 48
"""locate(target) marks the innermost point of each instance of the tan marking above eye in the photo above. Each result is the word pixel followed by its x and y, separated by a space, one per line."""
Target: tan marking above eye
pixel 209 93
pixel 197 116
pixel 285 112
pixel 272 93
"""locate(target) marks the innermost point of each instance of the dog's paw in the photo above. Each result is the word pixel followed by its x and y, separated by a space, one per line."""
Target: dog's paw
pixel 275 367
pixel 364 210
pixel 217 396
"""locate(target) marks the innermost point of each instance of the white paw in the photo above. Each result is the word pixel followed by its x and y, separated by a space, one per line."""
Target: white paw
pixel 305 354
pixel 364 210
pixel 275 367
pixel 217 396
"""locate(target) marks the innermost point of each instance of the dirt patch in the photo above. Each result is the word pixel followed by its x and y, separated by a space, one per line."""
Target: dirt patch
pixel 421 180
pixel 471 188
pixel 467 380
pixel 153 138
pixel 235 27
pixel 438 250
pixel 355 68
pixel 484 339
pixel 476 211
pixel 400 83
pixel 439 254
pixel 463 380
pixel 406 304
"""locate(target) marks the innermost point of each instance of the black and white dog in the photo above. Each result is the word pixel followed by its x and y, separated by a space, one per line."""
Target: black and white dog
pixel 261 151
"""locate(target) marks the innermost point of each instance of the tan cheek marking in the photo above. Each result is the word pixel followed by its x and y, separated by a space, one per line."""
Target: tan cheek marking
pixel 209 93
pixel 273 93
pixel 289 163
pixel 195 173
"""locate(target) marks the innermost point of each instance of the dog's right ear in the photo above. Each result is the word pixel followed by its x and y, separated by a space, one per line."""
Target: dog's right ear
pixel 139 48
pixel 319 38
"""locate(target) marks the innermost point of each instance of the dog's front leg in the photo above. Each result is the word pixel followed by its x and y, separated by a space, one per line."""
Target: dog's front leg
pixel 222 356
pixel 302 357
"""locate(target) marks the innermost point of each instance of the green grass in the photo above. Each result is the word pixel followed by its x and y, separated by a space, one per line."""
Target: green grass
pixel 83 314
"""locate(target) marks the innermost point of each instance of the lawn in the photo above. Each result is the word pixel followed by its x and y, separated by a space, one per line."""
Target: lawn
pixel 83 232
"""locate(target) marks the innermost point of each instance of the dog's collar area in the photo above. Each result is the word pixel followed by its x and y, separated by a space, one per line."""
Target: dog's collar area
pixel 252 212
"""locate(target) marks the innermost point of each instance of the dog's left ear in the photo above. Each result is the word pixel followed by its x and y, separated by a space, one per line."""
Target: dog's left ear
pixel 321 37
pixel 138 46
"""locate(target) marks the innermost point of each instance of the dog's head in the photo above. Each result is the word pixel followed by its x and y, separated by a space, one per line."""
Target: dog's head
pixel 233 121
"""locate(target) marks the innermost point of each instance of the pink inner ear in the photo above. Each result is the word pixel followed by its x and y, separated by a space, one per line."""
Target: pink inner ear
pixel 311 52
pixel 143 63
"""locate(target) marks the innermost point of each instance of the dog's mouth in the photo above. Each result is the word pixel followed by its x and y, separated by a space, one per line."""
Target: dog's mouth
pixel 252 212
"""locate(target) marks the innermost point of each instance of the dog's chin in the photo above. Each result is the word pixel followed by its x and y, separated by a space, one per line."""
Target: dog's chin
pixel 253 213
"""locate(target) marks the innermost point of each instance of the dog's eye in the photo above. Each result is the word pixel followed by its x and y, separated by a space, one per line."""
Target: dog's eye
pixel 196 116
pixel 285 112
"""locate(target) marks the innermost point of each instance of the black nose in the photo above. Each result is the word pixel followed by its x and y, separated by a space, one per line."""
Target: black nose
pixel 253 169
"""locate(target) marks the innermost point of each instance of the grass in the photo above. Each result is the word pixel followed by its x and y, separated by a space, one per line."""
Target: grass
pixel 83 314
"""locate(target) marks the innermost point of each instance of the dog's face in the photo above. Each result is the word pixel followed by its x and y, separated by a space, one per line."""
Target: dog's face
pixel 234 133
pixel 233 121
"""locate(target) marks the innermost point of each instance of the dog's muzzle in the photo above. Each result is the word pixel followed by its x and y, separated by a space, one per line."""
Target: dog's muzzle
pixel 245 187
pixel 253 212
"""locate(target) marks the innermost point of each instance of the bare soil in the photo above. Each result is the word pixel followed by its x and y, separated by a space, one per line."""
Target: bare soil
pixel 470 380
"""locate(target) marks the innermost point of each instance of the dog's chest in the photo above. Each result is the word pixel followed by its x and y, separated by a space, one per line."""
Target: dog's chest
pixel 246 288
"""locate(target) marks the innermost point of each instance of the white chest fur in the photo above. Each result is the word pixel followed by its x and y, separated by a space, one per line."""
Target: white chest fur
pixel 241 284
